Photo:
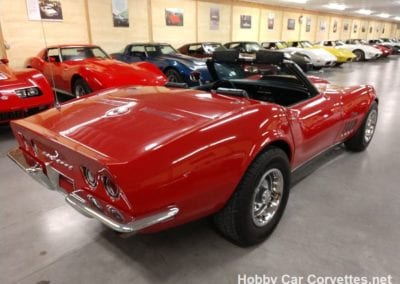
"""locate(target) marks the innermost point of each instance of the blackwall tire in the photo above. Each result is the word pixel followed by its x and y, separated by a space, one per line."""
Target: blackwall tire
pixel 360 55
pixel 258 202
pixel 174 76
pixel 363 136
pixel 81 88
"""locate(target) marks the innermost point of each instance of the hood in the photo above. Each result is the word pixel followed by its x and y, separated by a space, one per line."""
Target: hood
pixel 124 123
pixel 366 48
pixel 191 62
pixel 124 74
pixel 342 52
pixel 322 53
pixel 10 81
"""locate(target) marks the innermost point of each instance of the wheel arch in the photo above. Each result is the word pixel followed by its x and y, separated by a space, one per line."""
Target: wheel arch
pixel 73 80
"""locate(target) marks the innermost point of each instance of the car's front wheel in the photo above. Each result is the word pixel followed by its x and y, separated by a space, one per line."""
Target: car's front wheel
pixel 81 88
pixel 173 76
pixel 257 205
pixel 364 134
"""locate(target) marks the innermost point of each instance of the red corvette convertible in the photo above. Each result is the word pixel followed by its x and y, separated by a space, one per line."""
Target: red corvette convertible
pixel 22 93
pixel 143 159
pixel 82 69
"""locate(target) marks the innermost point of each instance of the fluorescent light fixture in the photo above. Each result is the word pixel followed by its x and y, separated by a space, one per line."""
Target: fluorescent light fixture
pixel 336 6
pixel 383 15
pixel 296 1
pixel 397 18
pixel 364 12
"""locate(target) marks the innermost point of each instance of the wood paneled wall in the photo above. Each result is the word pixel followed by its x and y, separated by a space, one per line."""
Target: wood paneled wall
pixel 91 21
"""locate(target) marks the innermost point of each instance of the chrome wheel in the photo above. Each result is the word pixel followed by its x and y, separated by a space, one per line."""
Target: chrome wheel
pixel 370 125
pixel 80 91
pixel 267 197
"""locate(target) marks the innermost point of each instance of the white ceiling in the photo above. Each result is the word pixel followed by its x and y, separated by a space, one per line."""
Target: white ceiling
pixel 391 7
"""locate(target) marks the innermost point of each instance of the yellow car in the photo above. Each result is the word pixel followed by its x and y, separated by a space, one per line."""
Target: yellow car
pixel 342 55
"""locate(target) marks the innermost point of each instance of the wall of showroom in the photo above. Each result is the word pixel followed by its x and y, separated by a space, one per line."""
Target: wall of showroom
pixel 90 21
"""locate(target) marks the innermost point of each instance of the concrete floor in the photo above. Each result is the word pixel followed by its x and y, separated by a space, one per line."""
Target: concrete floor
pixel 343 217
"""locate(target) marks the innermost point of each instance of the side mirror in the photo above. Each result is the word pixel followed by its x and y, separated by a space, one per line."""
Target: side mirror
pixel 4 60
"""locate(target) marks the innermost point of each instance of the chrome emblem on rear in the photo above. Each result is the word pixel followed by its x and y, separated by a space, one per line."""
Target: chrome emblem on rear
pixel 55 158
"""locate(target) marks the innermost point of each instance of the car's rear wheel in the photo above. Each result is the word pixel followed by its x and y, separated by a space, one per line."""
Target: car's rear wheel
pixel 360 55
pixel 81 88
pixel 173 76
pixel 257 205
pixel 364 134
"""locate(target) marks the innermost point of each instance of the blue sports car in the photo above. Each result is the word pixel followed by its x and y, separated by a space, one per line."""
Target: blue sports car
pixel 177 67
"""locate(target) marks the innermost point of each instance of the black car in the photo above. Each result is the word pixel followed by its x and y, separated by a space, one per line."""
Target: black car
pixel 249 48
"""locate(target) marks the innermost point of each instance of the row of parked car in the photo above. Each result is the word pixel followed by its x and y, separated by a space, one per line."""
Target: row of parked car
pixel 81 69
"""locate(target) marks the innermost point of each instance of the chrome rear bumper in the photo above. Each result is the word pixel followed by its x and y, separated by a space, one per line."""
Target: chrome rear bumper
pixel 89 205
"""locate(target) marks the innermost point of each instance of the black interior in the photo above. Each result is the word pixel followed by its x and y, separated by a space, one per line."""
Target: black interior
pixel 282 91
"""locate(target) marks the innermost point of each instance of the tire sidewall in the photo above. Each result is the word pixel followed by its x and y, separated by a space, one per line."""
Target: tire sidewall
pixel 253 233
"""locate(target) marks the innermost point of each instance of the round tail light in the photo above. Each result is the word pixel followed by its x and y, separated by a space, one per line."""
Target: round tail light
pixel 111 188
pixel 90 178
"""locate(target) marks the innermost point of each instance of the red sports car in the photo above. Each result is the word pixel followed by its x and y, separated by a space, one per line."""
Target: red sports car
pixel 143 159
pixel 82 69
pixel 22 93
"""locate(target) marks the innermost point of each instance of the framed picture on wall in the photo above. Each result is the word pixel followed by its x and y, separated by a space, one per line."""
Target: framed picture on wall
pixel 334 29
pixel 245 21
pixel 363 28
pixel 346 27
pixel 322 25
pixel 214 18
pixel 44 10
pixel 120 13
pixel 174 17
pixel 291 24
pixel 355 28
pixel 308 24
pixel 271 21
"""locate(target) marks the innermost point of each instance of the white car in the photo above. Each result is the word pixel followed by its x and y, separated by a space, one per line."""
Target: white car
pixel 49 11
pixel 319 57
pixel 361 51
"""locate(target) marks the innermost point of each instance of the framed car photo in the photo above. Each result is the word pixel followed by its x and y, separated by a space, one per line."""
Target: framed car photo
pixel 174 17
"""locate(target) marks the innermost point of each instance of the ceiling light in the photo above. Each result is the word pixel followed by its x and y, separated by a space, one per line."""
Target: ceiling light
pixel 397 18
pixel 364 12
pixel 336 6
pixel 296 1
pixel 383 15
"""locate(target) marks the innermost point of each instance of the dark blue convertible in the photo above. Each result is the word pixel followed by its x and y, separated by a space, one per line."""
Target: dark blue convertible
pixel 177 67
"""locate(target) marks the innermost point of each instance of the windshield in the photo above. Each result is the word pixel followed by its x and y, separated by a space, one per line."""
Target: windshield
pixel 252 47
pixel 82 52
pixel 339 42
pixel 227 71
pixel 155 50
pixel 281 44
pixel 306 44
pixel 211 47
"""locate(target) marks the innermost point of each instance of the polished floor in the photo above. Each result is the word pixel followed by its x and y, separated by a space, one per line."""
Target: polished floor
pixel 343 218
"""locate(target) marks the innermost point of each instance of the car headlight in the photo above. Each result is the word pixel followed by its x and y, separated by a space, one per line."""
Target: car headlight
pixel 28 92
